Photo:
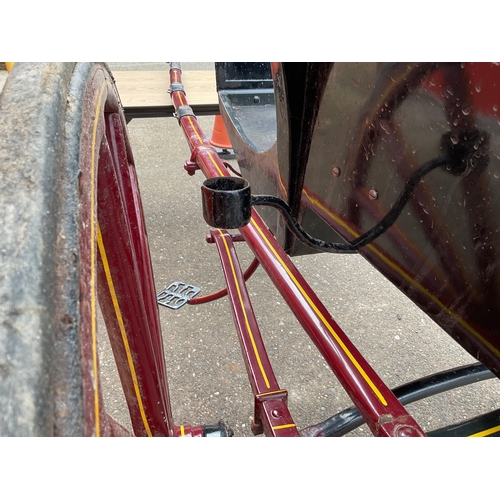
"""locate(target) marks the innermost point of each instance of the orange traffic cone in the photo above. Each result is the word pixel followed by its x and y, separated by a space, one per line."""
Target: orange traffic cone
pixel 219 138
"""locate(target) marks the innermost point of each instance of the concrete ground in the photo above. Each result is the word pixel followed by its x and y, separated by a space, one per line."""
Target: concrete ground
pixel 206 371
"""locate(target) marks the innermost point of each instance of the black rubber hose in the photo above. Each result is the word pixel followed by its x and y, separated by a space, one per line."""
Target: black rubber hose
pixel 296 228
pixel 349 419
pixel 396 210
pixel 365 238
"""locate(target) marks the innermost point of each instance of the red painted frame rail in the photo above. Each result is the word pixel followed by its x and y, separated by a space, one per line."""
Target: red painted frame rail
pixel 382 411
pixel 271 411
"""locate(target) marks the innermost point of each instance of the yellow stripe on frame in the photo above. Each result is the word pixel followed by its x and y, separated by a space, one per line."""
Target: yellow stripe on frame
pixel 284 426
pixel 323 320
pixel 271 392
pixel 194 128
pixel 256 352
pixel 121 325
pixel 215 164
pixel 487 432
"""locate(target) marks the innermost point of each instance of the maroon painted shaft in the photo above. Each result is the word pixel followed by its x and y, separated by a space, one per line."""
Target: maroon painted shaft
pixel 382 411
pixel 271 411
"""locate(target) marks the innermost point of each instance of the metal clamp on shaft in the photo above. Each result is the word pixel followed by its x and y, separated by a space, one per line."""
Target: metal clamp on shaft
pixel 184 111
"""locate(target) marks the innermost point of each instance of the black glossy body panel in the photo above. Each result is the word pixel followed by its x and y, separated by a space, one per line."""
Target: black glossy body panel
pixel 376 124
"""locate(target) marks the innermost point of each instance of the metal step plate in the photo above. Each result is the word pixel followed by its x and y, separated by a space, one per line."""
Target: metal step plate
pixel 175 295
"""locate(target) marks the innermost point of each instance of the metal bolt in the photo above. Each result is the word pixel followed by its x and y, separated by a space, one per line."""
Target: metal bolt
pixel 336 171
pixel 373 194
pixel 406 431
pixel 277 413
pixel 256 99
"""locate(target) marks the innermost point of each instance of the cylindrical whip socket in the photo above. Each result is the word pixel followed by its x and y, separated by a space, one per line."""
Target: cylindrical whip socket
pixel 227 202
